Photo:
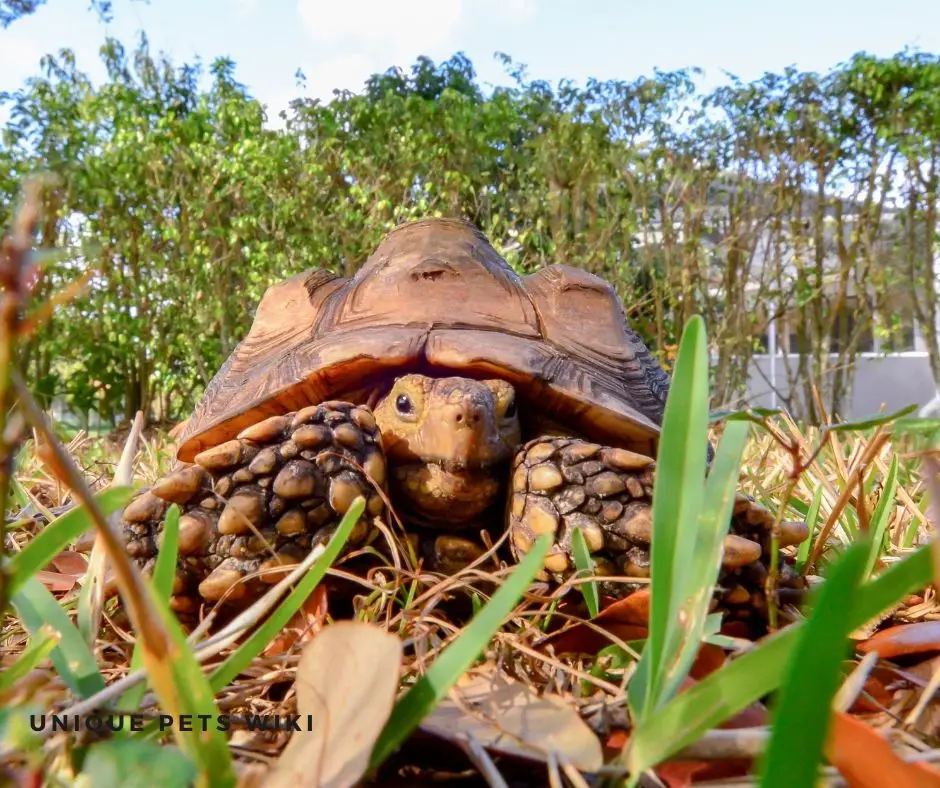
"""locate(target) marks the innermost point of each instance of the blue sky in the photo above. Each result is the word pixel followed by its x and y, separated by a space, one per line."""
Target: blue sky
pixel 339 43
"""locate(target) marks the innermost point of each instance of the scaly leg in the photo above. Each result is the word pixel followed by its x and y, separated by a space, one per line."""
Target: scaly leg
pixel 260 501
pixel 560 485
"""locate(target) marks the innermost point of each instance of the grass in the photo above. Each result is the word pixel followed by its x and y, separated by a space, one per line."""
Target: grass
pixel 860 489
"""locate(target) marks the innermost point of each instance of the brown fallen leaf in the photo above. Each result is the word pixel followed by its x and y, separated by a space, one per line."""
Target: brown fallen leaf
pixel 736 629
pixel 880 697
pixel 709 659
pixel 69 562
pixel 917 638
pixel 865 759
pixel 56 581
pixel 508 716
pixel 347 681
pixel 680 774
pixel 303 625
pixel 626 619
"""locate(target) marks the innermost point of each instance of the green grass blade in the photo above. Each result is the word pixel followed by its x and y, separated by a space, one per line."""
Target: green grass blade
pixel 756 673
pixel 881 516
pixel 56 536
pixel 164 572
pixel 702 575
pixel 680 471
pixel 802 718
pixel 208 748
pixel 456 658
pixel 859 425
pixel 812 520
pixel 71 657
pixel 263 635
pixel 137 764
pixel 38 649
pixel 585 566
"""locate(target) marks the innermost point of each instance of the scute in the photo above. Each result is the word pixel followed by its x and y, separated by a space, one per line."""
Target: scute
pixel 436 294
pixel 435 273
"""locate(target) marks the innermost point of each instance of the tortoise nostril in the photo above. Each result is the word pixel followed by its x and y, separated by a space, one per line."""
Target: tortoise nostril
pixel 459 418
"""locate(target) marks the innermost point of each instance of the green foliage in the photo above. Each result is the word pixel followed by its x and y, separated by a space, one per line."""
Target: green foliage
pixel 812 677
pixel 175 190
pixel 689 525
pixel 585 567
pixel 754 674
pixel 127 762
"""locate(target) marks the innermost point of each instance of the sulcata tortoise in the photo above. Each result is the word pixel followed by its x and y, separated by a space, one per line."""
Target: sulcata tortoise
pixel 475 399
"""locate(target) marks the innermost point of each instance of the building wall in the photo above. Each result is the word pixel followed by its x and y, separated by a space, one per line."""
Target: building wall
pixel 883 383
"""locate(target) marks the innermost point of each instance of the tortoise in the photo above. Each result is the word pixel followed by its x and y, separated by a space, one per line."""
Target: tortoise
pixel 439 379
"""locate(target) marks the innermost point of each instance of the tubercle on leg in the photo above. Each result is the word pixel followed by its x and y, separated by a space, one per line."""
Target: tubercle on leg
pixel 562 484
pixel 261 500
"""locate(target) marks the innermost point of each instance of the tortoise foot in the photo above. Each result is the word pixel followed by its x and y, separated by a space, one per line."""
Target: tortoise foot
pixel 259 502
pixel 449 553
pixel 560 485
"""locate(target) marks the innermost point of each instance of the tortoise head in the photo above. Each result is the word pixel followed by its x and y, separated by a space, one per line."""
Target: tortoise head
pixel 448 442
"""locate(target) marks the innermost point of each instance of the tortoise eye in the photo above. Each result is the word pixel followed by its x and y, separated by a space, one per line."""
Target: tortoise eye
pixel 404 405
pixel 510 409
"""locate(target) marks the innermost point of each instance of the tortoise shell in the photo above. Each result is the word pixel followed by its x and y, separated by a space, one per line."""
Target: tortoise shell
pixel 436 297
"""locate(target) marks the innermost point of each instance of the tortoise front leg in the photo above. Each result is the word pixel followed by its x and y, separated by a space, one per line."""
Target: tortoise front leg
pixel 260 501
pixel 560 485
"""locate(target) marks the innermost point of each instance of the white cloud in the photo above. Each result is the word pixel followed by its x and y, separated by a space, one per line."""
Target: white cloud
pixel 344 72
pixel 518 11
pixel 19 59
pixel 356 40
pixel 401 24
pixel 245 8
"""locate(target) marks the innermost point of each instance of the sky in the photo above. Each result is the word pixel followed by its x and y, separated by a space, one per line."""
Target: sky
pixel 339 43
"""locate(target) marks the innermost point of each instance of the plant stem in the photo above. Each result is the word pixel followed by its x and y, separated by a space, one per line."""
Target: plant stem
pixel 14 261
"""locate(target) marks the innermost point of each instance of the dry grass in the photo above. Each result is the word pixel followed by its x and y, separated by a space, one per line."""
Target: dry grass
pixel 420 607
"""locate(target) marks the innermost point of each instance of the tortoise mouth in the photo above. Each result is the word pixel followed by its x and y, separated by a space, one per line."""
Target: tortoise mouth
pixel 465 466
pixel 448 493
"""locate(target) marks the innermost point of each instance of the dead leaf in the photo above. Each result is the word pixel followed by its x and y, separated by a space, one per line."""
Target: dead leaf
pixel 626 619
pixel 509 717
pixel 709 659
pixel 865 759
pixel 679 774
pixel 56 581
pixel 303 625
pixel 880 697
pixel 923 636
pixel 347 681
pixel 70 563
pixel 736 629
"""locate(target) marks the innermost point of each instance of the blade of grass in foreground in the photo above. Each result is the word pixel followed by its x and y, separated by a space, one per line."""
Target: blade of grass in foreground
pixel 585 567
pixel 702 575
pixel 191 696
pixel 263 635
pixel 55 536
pixel 72 658
pixel 812 518
pixel 881 516
pixel 454 660
pixel 802 718
pixel 756 673
pixel 162 580
pixel 680 474
pixel 38 649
